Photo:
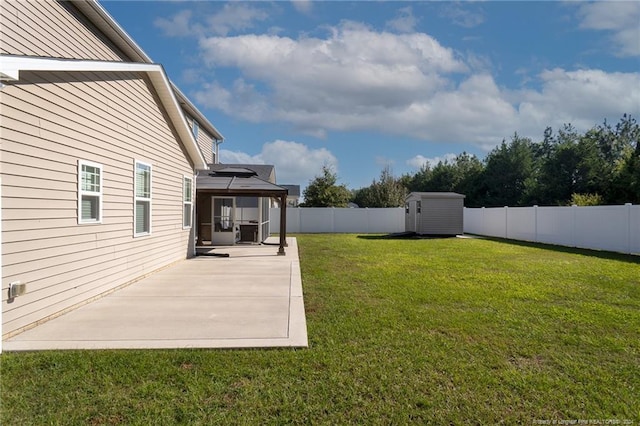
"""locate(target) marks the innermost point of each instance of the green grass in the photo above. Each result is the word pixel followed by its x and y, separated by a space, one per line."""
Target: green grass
pixel 439 331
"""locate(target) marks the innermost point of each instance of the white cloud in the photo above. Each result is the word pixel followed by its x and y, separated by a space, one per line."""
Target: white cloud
pixel 295 162
pixel 178 25
pixel 582 98
pixel 235 16
pixel 238 157
pixel 404 84
pixel 462 16
pixel 420 161
pixel 303 6
pixel 621 18
pixel 405 22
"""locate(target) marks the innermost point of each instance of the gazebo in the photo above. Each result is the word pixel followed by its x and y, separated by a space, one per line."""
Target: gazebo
pixel 216 193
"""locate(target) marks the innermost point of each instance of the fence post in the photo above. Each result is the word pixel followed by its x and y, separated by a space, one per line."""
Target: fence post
pixel 506 221
pixel 628 205
pixel 366 213
pixel 483 231
pixel 535 223
pixel 333 219
pixel 574 211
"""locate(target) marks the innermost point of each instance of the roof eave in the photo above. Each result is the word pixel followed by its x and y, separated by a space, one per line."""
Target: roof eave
pixel 105 23
pixel 195 112
pixel 11 66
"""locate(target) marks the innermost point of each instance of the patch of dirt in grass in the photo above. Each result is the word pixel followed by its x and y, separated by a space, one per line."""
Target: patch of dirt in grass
pixel 114 419
pixel 535 362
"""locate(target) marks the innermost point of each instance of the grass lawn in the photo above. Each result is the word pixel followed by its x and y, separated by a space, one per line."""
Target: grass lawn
pixel 441 331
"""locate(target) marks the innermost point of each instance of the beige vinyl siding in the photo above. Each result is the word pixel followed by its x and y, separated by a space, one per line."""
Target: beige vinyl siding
pixel 205 142
pixel 47 125
pixel 204 139
pixel 53 29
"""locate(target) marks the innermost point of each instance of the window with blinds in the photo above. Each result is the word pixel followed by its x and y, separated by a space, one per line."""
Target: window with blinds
pixel 142 199
pixel 187 202
pixel 89 192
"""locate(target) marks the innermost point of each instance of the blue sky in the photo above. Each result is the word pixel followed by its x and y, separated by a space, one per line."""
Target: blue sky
pixel 361 85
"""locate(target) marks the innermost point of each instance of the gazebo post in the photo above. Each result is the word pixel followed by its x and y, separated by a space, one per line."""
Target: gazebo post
pixel 283 224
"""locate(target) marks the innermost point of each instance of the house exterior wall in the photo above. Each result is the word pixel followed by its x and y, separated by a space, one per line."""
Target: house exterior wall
pixel 49 121
pixel 205 142
pixel 51 29
pixel 204 139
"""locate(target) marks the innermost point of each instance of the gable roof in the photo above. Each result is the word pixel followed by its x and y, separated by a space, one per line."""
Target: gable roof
pixel 107 25
pixel 11 66
pixel 294 190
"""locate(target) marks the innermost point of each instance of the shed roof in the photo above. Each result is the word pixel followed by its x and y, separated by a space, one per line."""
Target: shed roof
pixel 414 196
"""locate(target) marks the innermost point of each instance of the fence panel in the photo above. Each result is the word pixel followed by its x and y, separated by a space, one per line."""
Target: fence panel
pixel 386 220
pixel 495 222
pixel 605 227
pixel 473 220
pixel 340 220
pixel 521 223
pixel 351 220
pixel 555 225
pixel 612 228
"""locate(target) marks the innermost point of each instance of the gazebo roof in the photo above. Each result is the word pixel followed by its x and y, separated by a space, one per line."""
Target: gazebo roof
pixel 238 184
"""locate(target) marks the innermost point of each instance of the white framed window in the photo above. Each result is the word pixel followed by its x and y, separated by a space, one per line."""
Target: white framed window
pixel 142 199
pixel 187 202
pixel 195 128
pixel 89 192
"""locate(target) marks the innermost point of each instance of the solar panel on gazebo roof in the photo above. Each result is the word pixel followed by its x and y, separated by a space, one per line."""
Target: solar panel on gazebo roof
pixel 233 171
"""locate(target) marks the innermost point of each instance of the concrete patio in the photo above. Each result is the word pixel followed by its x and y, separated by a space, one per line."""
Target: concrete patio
pixel 253 298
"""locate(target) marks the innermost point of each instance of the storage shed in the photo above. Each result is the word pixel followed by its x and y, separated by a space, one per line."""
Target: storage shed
pixel 434 213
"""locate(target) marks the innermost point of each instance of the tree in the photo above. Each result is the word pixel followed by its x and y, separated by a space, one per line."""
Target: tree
pixel 625 182
pixel 387 192
pixel 508 169
pixel 469 171
pixel 419 181
pixel 324 192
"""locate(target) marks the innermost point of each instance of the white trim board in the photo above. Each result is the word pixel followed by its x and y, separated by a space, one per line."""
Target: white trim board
pixel 11 66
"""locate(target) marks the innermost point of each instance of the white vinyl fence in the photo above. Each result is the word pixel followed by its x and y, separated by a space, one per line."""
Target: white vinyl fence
pixel 340 220
pixel 611 228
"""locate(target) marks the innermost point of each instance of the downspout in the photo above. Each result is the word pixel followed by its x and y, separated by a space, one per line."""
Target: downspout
pixel 216 150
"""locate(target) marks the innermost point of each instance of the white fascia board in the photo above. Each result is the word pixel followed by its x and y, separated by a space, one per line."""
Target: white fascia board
pixel 105 23
pixel 191 108
pixel 168 98
pixel 10 67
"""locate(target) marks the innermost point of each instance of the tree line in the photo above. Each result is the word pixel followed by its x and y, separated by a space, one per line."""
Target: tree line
pixel 599 166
